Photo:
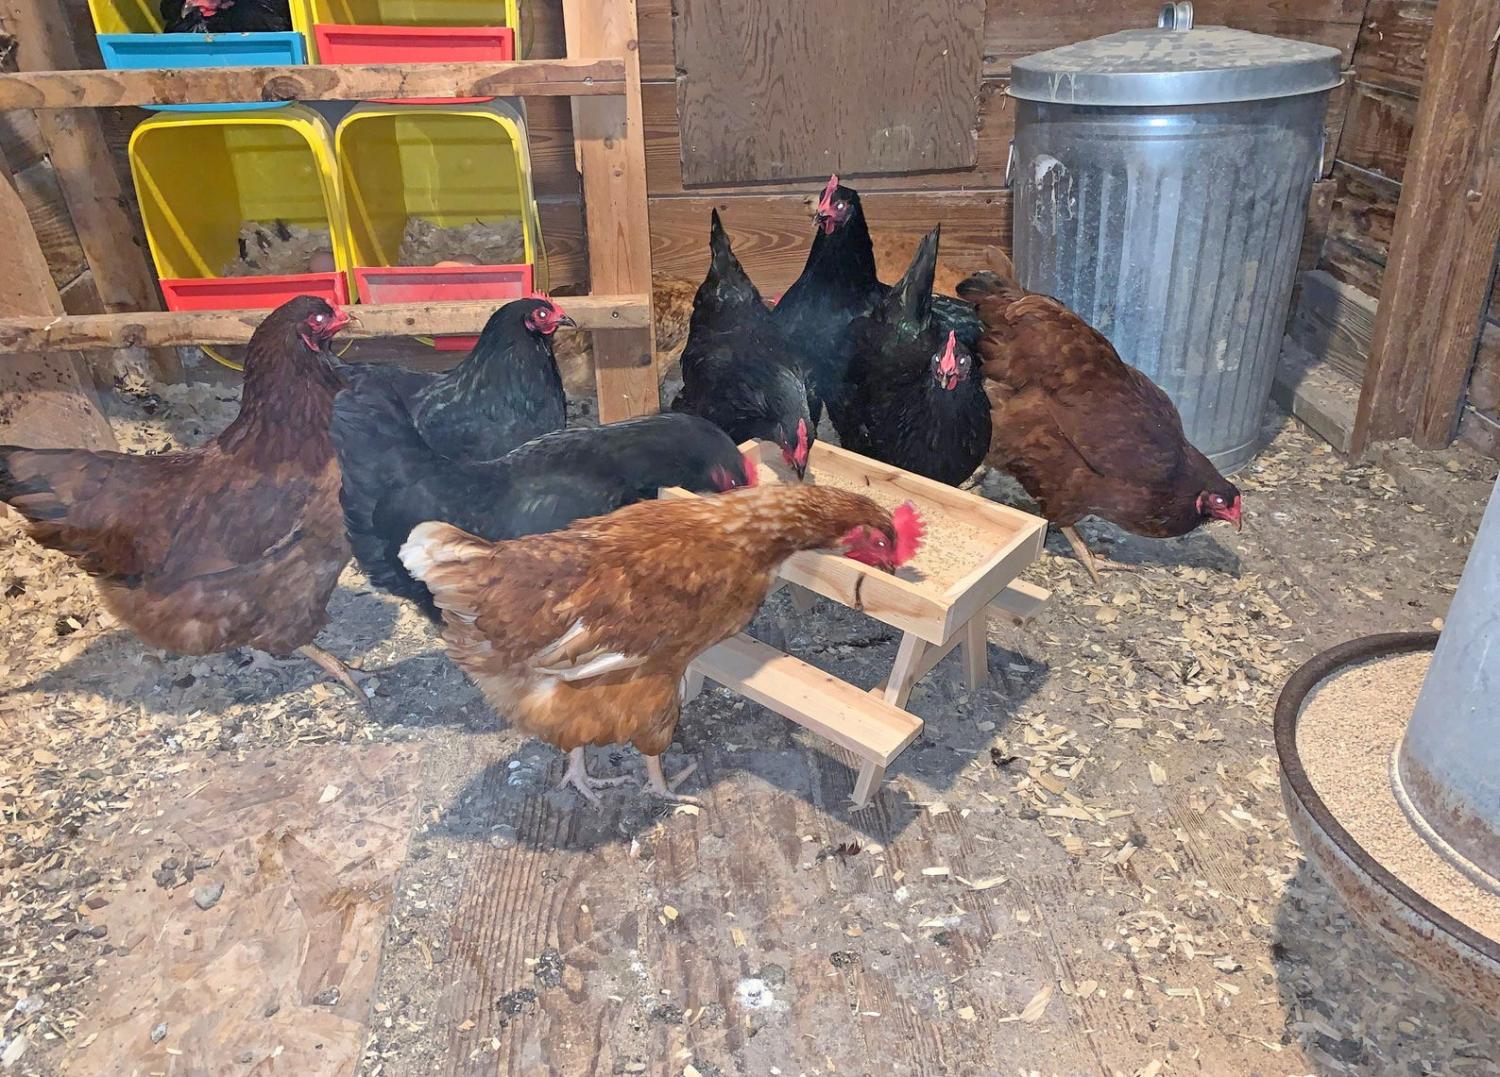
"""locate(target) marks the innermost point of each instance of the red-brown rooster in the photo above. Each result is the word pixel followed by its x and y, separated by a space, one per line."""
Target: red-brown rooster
pixel 236 543
pixel 583 636
pixel 1082 431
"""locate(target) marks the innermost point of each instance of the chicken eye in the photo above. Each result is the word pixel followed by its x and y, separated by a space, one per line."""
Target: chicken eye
pixel 841 206
pixel 320 318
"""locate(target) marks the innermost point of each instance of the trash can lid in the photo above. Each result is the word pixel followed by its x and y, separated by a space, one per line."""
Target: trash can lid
pixel 1176 65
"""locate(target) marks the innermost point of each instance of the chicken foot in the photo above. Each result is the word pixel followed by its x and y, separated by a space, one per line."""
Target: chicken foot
pixel 660 786
pixel 338 671
pixel 577 775
pixel 1081 551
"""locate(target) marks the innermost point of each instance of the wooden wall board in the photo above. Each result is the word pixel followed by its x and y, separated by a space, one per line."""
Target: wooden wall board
pixel 1392 47
pixel 1334 323
pixel 1377 133
pixel 771 233
pixel 780 90
pixel 1359 227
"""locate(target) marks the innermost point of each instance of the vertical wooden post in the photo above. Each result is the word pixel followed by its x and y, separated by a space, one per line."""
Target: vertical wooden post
pixel 1437 280
pixel 44 399
pixel 611 148
pixel 90 185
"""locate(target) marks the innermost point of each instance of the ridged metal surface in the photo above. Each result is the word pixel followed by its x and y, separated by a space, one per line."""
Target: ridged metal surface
pixel 1175 232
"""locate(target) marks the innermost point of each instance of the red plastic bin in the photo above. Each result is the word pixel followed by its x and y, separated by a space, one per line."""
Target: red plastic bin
pixel 438 284
pixel 338 44
pixel 251 293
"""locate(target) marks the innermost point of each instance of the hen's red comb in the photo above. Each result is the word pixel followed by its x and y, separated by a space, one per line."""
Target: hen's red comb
pixel 752 469
pixel 909 529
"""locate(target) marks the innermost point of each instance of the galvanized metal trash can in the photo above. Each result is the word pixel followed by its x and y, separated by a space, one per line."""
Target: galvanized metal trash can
pixel 1161 179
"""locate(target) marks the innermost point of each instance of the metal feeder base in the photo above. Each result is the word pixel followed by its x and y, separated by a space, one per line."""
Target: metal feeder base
pixel 1414 927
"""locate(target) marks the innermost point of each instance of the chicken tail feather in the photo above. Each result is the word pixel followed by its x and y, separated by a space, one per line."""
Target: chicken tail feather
pixel 438 554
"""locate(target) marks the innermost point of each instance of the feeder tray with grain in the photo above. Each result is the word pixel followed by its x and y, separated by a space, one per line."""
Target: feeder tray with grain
pixel 965 570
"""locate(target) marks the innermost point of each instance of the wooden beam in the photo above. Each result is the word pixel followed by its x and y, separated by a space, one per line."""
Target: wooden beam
pixel 349 82
pixel 90 183
pixel 44 400
pixel 147 330
pixel 1442 257
pixel 611 148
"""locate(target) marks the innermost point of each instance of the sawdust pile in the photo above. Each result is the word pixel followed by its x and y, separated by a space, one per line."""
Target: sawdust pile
pixel 279 249
pixel 481 243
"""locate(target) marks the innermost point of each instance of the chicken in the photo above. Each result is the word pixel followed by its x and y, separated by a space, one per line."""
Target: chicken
pixel 1083 432
pixel 911 395
pixel 225 16
pixel 393 480
pixel 837 285
pixel 671 308
pixel 236 543
pixel 584 636
pixel 505 392
pixel 738 370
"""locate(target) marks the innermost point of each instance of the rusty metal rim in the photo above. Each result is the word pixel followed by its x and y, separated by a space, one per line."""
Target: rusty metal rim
pixel 1289 708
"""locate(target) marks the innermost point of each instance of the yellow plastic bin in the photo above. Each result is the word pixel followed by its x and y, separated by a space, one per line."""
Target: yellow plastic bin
pixel 201 176
pixel 452 166
pixel 317 17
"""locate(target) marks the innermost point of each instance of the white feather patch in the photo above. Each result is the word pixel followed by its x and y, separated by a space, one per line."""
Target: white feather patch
pixel 555 649
pixel 598 663
pixel 416 552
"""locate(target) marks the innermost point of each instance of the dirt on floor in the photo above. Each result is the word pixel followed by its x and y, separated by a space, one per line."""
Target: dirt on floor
pixel 1083 869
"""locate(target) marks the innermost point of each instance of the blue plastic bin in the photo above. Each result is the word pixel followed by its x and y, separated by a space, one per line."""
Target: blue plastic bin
pixel 129 52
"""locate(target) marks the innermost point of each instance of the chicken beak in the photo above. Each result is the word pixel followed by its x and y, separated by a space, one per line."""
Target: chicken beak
pixel 567 321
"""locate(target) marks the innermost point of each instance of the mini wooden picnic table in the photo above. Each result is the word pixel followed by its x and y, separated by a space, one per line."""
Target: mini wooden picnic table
pixel 972 553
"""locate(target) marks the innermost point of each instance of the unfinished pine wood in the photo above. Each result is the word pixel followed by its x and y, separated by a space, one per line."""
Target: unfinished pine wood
pixel 771 233
pixel 77 149
pixel 44 397
pixel 1334 323
pixel 1019 603
pixel 1377 135
pixel 609 136
pixel 341 82
pixel 871 728
pixel 142 330
pixel 909 667
pixel 1437 283
pixel 1315 394
pixel 776 90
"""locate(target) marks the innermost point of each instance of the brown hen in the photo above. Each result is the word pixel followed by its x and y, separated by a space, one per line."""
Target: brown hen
pixel 583 636
pixel 236 543
pixel 1082 431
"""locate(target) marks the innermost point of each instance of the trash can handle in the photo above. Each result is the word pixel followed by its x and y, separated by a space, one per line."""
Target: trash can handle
pixel 1178 16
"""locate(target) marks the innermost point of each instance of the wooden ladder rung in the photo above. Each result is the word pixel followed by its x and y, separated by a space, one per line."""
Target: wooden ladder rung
pixel 868 726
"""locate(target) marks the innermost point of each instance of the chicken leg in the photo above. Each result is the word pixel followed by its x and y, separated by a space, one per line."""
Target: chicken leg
pixel 577 775
pixel 1080 548
pixel 660 786
pixel 338 671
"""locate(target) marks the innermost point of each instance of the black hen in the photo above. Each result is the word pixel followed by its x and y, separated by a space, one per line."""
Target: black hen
pixel 911 396
pixel 837 285
pixel 504 393
pixel 225 16
pixel 392 480
pixel 738 370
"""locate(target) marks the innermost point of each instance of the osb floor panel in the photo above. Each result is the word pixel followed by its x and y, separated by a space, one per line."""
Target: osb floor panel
pixel 1083 869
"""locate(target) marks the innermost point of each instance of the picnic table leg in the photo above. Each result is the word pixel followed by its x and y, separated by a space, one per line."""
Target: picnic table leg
pixel 905 669
pixel 976 652
pixel 870 777
pixel 692 684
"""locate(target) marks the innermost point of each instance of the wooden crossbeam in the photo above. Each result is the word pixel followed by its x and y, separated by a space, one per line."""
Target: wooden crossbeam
pixel 148 330
pixel 346 82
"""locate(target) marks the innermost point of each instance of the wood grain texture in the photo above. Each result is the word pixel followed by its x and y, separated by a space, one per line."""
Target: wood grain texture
pixel 44 401
pixel 610 144
pixel 111 240
pixel 1392 47
pixel 1015 28
pixel 1437 283
pixel 1334 323
pixel 1484 383
pixel 157 329
pixel 43 198
pixel 997 124
pixel 349 82
pixel 1377 134
pixel 1360 223
pixel 778 90
pixel 772 233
